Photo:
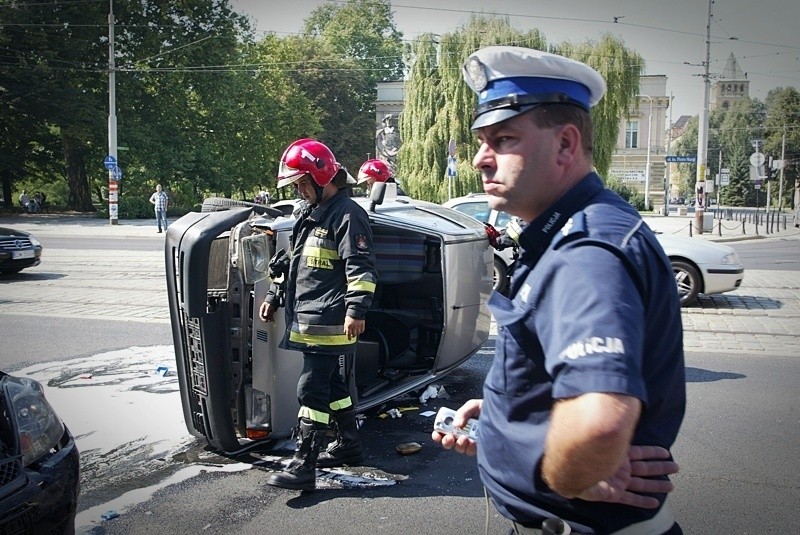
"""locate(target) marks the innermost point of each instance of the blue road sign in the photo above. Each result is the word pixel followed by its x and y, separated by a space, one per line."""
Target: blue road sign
pixel 451 167
pixel 682 159
pixel 117 172
pixel 110 162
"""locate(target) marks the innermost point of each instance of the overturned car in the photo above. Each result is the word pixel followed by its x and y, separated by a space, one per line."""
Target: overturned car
pixel 237 385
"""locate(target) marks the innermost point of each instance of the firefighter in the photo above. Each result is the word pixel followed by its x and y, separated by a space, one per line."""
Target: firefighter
pixel 376 170
pixel 330 284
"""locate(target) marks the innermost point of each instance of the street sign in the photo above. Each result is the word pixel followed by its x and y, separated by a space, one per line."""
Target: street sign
pixel 681 159
pixel 116 173
pixel 724 176
pixel 110 162
pixel 451 167
pixel 451 148
pixel 757 159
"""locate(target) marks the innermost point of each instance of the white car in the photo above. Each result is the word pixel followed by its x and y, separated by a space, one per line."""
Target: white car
pixel 428 316
pixel 700 266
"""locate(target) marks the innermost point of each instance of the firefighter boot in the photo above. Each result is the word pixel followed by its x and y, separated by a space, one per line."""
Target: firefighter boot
pixel 301 473
pixel 346 448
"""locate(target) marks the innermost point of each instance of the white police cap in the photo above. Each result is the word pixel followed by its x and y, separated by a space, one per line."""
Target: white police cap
pixel 510 80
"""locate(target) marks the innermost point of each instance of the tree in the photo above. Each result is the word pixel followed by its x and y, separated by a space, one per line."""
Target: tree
pixel 51 83
pixel 344 51
pixel 439 103
pixel 739 125
pixel 782 131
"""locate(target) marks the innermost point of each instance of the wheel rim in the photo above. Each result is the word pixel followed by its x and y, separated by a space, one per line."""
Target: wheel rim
pixel 685 283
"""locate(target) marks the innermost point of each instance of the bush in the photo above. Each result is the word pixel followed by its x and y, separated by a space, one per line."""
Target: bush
pixel 637 200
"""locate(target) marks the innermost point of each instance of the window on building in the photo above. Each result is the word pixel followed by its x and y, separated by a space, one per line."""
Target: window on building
pixel 632 135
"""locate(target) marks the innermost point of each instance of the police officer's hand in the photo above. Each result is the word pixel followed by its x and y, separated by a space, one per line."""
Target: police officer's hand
pixel 267 312
pixel 462 444
pixel 353 327
pixel 633 478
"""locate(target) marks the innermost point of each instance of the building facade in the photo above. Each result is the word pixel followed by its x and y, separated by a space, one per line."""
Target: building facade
pixel 640 155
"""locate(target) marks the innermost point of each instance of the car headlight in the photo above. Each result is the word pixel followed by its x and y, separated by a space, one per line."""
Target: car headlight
pixel 38 426
pixel 730 258
pixel 34 241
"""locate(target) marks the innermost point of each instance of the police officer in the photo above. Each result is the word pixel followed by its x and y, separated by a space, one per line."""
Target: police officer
pixel 330 284
pixel 588 379
pixel 376 170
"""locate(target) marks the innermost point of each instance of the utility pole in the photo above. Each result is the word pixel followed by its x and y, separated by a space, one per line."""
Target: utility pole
pixel 647 165
pixel 667 164
pixel 718 181
pixel 702 138
pixel 113 172
pixel 783 166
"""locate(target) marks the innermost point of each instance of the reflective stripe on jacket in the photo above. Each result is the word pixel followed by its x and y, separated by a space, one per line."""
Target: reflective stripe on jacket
pixel 331 274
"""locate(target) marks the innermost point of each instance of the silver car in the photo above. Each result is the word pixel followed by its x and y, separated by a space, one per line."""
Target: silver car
pixel 237 385
pixel 700 266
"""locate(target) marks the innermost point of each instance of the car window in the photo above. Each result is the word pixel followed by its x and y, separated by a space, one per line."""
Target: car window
pixel 478 210
pixel 502 219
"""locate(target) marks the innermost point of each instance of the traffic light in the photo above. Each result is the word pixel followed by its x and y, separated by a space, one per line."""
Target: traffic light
pixel 769 172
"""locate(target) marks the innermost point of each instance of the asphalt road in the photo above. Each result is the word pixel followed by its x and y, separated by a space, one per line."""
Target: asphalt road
pixel 738 448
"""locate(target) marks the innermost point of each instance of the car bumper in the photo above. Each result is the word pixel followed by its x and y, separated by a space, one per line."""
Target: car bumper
pixel 45 499
pixel 9 263
pixel 719 279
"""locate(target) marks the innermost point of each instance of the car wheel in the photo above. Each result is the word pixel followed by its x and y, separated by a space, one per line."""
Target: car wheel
pixel 500 276
pixel 218 204
pixel 688 280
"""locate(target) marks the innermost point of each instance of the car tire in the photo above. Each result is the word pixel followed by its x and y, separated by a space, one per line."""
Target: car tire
pixel 688 280
pixel 500 276
pixel 219 204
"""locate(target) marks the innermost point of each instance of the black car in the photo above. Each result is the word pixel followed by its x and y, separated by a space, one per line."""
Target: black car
pixel 39 462
pixel 18 250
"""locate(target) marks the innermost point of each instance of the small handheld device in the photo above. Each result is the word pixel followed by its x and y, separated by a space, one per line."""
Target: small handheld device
pixel 444 424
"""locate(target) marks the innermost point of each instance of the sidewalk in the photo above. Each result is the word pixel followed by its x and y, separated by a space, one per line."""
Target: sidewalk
pixel 731 230
pixel 80 225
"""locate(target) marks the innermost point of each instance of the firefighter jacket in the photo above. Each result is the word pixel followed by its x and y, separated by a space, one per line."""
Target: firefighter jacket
pixel 331 274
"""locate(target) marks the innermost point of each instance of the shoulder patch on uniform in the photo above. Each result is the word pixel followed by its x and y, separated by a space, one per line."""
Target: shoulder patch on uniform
pixel 361 242
pixel 575 227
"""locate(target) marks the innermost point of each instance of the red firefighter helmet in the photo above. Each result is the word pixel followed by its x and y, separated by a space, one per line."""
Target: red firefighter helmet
pixel 307 156
pixel 374 169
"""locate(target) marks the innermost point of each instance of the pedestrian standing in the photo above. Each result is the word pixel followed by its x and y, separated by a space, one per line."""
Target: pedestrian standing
pixel 588 377
pixel 24 201
pixel 329 287
pixel 160 201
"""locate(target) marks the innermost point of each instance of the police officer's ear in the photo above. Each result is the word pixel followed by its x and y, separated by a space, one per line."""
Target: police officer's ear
pixel 569 142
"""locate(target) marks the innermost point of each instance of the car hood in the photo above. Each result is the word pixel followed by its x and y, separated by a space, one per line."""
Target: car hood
pixel 696 248
pixel 10 232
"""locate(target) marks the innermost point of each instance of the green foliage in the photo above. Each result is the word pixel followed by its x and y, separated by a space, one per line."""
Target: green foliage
pixel 439 104
pixel 621 68
pixel 615 184
pixel 782 131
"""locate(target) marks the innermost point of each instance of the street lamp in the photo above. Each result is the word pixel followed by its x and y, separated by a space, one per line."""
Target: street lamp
pixel 647 165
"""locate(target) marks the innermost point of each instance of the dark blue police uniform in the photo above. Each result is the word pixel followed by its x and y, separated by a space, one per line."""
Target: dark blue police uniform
pixel 592 307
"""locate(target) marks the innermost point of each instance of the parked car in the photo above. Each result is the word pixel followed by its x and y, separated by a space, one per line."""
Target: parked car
pixel 18 250
pixel 476 205
pixel 237 385
pixel 700 266
pixel 39 462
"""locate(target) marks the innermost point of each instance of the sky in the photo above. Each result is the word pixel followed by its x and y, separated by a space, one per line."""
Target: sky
pixel 670 35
